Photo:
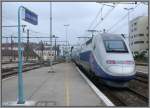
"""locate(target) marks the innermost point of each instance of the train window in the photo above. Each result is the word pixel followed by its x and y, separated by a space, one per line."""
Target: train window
pixel 115 46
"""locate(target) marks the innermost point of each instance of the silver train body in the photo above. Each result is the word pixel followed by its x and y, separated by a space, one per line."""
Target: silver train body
pixel 108 57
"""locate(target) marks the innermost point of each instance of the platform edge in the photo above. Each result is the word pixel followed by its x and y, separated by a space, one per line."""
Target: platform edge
pixel 105 100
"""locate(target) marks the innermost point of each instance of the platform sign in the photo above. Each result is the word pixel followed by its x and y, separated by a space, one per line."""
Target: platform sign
pixel 29 16
pixel 32 18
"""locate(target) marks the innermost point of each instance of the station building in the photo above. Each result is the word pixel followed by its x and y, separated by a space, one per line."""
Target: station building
pixel 139 36
pixel 46 54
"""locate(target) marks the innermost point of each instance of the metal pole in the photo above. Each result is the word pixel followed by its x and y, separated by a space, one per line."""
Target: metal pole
pixel 7 44
pixel 66 29
pixel 55 48
pixel 20 80
pixel 42 49
pixel 66 37
pixel 128 9
pixel 51 24
pixel 27 45
pixel 51 70
pixel 11 49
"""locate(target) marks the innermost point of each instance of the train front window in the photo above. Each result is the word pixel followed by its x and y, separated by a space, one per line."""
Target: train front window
pixel 115 46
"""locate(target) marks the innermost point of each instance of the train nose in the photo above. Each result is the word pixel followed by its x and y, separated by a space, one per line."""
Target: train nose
pixel 115 69
pixel 121 70
pixel 121 67
pixel 128 69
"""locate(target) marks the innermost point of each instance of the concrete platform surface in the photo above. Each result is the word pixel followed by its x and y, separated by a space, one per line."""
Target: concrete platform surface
pixel 63 87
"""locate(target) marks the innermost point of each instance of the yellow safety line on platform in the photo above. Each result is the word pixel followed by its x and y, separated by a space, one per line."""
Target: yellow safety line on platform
pixel 67 96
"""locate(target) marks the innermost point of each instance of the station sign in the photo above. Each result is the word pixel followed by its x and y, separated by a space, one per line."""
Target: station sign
pixel 29 16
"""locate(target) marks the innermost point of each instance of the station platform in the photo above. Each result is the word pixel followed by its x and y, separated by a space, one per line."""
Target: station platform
pixel 63 87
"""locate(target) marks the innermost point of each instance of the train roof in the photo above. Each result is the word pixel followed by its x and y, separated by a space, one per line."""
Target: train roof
pixel 107 36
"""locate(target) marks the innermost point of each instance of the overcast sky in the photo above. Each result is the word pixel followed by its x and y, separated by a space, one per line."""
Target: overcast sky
pixel 78 15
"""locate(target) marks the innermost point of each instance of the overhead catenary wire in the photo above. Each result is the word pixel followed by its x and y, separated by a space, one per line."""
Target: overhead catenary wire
pixel 37 32
pixel 106 15
pixel 97 15
pixel 119 26
pixel 121 19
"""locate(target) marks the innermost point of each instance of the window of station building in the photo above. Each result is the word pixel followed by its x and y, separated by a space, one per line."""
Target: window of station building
pixel 132 25
pixel 135 29
pixel 135 23
pixel 131 36
pixel 135 35
pixel 141 34
pixel 138 42
pixel 147 41
pixel 147 35
pixel 147 27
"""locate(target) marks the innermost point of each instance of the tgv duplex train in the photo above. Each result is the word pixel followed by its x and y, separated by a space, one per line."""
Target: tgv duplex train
pixel 108 57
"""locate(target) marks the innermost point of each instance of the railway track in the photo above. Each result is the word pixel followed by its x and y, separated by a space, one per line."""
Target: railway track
pixel 7 72
pixel 13 62
pixel 124 96
pixel 142 77
pixel 135 94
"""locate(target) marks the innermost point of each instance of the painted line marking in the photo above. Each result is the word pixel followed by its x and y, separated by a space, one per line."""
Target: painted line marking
pixel 8 78
pixel 67 96
pixel 106 101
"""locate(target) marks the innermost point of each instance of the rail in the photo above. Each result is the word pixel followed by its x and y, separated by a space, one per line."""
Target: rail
pixel 135 94
pixel 7 72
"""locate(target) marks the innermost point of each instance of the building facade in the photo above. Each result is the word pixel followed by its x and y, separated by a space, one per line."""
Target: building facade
pixel 46 53
pixel 139 36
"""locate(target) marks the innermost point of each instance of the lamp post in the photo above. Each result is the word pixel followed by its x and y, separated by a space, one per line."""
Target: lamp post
pixel 55 45
pixel 66 25
pixel 27 59
pixel 51 36
pixel 11 49
pixel 128 9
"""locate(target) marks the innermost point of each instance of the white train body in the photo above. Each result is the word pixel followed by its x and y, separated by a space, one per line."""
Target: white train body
pixel 107 56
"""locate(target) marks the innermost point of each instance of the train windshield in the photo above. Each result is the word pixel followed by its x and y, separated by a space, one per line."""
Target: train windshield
pixel 115 46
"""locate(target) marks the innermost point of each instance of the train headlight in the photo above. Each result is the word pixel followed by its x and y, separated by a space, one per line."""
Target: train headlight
pixel 111 62
pixel 128 62
pixel 119 62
